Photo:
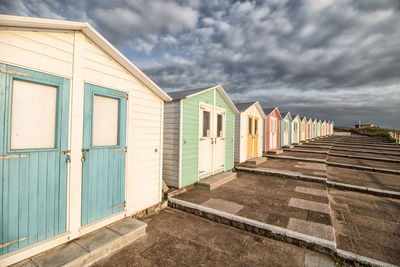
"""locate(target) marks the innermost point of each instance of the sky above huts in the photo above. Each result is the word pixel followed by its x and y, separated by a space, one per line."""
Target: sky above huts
pixel 331 59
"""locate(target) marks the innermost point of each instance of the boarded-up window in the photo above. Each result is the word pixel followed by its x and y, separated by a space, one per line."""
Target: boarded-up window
pixel 220 122
pixel 105 121
pixel 206 123
pixel 33 115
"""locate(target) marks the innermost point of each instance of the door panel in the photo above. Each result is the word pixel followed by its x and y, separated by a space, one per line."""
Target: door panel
pixel 34 109
pixel 255 136
pixel 250 137
pixel 205 140
pixel 273 133
pixel 219 141
pixel 103 153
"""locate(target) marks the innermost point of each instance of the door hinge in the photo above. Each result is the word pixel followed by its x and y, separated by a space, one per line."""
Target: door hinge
pixel 119 149
pixel 118 206
pixel 121 95
pixel 65 152
pixel 13 156
pixel 14 72
pixel 12 242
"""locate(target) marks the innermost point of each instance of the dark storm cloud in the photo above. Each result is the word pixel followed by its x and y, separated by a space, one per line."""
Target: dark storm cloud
pixel 339 59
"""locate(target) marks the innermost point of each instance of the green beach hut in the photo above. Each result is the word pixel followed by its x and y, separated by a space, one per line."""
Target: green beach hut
pixel 198 135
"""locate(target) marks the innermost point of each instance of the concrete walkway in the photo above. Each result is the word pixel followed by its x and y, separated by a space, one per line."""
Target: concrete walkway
pixel 176 238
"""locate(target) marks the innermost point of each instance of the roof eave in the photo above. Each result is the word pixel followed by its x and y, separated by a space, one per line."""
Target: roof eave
pixel 92 34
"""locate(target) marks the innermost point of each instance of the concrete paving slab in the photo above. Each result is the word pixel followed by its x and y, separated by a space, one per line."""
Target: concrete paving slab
pixel 311 191
pixel 320 230
pixel 309 205
pixel 310 166
pixel 99 243
pixel 68 254
pixel 223 205
pixel 288 165
pixel 311 261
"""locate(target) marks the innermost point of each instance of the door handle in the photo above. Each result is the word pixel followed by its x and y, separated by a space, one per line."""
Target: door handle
pixel 83 158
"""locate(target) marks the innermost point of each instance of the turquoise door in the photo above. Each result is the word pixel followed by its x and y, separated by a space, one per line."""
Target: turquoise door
pixel 103 153
pixel 34 109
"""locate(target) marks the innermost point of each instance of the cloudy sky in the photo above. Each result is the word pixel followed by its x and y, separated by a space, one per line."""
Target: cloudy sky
pixel 334 59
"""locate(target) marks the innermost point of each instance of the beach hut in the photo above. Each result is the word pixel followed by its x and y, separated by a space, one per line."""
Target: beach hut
pixel 332 125
pixel 309 129
pixel 272 129
pixel 314 128
pixel 324 128
pixel 295 132
pixel 328 128
pixel 286 129
pixel 249 134
pixel 303 129
pixel 198 135
pixel 81 135
pixel 319 128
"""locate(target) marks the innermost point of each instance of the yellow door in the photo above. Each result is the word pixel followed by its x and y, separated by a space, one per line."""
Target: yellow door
pixel 255 136
pixel 250 138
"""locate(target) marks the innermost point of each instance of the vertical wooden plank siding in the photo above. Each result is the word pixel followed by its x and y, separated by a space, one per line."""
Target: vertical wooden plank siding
pixel 171 143
pixel 33 189
pixel 230 124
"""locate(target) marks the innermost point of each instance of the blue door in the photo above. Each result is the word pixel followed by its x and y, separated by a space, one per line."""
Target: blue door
pixel 103 153
pixel 34 109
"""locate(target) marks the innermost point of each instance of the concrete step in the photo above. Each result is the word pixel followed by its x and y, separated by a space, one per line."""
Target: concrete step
pixel 288 147
pixel 92 247
pixel 217 180
pixel 275 152
pixel 255 161
pixel 176 191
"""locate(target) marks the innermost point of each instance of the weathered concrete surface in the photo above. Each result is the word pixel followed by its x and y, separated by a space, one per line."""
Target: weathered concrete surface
pixel 91 247
pixel 265 198
pixel 365 162
pixel 366 154
pixel 377 180
pixel 175 238
pixel 294 165
pixel 294 153
pixel 367 225
pixel 223 205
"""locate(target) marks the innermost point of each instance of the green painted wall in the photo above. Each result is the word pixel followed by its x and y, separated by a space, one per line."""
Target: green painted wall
pixel 190 134
pixel 230 124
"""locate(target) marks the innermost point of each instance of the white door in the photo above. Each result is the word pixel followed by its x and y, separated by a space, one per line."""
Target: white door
pixel 219 141
pixel 272 135
pixel 205 140
pixel 286 133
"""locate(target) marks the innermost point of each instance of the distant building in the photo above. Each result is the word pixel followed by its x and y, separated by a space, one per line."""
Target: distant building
pixel 364 125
